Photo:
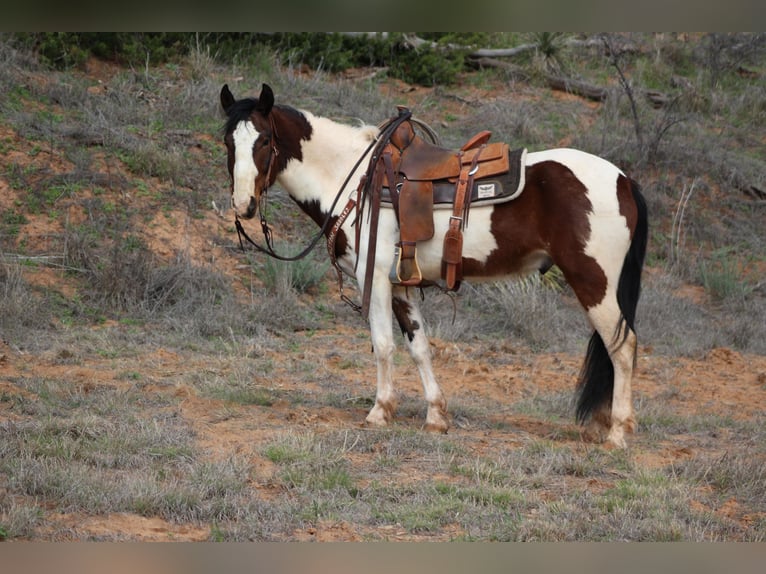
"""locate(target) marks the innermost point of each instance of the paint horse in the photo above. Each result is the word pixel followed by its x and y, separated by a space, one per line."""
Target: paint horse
pixel 575 210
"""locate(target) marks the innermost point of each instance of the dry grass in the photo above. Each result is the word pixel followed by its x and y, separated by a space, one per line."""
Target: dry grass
pixel 87 449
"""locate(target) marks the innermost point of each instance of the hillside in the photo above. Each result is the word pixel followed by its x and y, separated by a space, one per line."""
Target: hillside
pixel 158 383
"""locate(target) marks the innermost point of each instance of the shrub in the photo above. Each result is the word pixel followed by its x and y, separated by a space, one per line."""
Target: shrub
pixel 301 276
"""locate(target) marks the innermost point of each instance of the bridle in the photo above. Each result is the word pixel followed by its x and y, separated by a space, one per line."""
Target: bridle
pixel 364 192
pixel 267 235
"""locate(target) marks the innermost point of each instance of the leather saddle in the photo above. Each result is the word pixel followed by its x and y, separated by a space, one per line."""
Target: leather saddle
pixel 419 176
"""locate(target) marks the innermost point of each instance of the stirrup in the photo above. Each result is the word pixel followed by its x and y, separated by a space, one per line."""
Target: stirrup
pixel 394 275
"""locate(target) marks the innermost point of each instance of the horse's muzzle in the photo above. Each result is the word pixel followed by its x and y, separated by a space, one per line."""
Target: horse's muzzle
pixel 252 207
pixel 245 212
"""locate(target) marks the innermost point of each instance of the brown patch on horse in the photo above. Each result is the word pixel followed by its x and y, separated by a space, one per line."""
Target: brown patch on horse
pixel 311 208
pixel 627 203
pixel 289 129
pixel 527 227
pixel 402 313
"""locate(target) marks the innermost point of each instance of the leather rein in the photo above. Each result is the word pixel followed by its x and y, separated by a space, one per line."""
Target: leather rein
pixel 267 235
pixel 365 189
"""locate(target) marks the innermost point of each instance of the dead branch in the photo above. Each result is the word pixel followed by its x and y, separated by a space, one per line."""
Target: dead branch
pixel 577 87
pixel 502 52
pixel 514 72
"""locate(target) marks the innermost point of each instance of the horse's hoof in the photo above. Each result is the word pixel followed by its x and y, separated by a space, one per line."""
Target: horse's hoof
pixel 437 419
pixel 380 415
pixel 616 439
pixel 441 427
pixel 374 423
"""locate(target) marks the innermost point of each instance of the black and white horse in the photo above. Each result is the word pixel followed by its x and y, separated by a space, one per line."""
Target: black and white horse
pixel 576 211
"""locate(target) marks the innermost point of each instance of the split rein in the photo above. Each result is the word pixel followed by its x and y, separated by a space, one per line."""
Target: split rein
pixel 377 144
pixel 267 235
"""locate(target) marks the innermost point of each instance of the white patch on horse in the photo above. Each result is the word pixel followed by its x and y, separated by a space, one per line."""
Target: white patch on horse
pixel 245 172
pixel 325 163
pixel 479 242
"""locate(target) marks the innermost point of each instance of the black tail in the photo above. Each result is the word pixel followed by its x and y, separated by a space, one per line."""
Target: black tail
pixel 596 383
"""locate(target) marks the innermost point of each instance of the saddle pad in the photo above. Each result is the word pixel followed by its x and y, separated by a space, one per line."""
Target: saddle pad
pixel 486 190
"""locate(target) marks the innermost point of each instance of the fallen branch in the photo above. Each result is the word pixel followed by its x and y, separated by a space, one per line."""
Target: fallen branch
pixel 514 72
pixel 502 52
pixel 577 87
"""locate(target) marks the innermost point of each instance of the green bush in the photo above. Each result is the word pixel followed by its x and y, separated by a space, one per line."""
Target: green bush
pixel 721 276
pixel 333 52
pixel 300 276
pixel 64 50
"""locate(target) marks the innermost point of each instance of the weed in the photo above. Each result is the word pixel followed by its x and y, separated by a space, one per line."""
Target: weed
pixel 721 276
pixel 301 276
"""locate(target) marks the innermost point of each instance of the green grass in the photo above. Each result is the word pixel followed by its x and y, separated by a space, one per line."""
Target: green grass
pixel 722 277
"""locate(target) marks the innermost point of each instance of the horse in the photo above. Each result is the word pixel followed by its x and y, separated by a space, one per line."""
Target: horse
pixel 576 211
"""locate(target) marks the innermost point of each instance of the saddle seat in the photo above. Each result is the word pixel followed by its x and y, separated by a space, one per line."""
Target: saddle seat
pixel 418 160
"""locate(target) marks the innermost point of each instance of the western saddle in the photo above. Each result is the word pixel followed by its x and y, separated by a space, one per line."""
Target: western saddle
pixel 413 177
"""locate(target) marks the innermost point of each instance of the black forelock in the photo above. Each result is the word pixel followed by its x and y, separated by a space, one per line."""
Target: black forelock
pixel 239 111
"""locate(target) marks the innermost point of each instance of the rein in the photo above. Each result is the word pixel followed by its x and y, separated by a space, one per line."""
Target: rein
pixel 367 190
pixel 267 235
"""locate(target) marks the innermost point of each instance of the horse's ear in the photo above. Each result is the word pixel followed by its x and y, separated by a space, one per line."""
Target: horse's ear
pixel 265 100
pixel 227 98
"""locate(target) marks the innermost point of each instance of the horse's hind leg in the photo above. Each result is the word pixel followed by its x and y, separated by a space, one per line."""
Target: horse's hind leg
pixel 410 320
pixel 610 415
pixel 605 380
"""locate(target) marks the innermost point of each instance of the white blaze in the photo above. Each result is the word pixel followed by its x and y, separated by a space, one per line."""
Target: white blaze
pixel 245 171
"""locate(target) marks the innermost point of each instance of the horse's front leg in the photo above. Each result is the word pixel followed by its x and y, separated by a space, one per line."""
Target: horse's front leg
pixel 383 345
pixel 410 320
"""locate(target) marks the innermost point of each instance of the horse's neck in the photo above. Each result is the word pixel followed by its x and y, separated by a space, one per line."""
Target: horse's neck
pixel 327 159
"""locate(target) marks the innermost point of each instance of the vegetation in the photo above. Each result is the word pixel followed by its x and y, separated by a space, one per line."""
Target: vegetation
pixel 114 255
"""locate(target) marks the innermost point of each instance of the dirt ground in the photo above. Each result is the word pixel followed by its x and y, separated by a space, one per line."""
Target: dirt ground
pixel 724 381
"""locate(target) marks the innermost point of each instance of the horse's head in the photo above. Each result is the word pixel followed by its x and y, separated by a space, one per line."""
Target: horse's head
pixel 250 140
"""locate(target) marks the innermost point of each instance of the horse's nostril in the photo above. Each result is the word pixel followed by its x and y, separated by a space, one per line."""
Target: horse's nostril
pixel 251 207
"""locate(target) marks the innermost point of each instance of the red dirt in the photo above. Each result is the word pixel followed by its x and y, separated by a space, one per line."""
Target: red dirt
pixel 724 382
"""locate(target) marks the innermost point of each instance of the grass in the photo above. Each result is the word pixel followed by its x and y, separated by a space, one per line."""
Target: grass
pixel 95 452
pixel 722 278
pixel 86 451
pixel 301 276
pixel 115 429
